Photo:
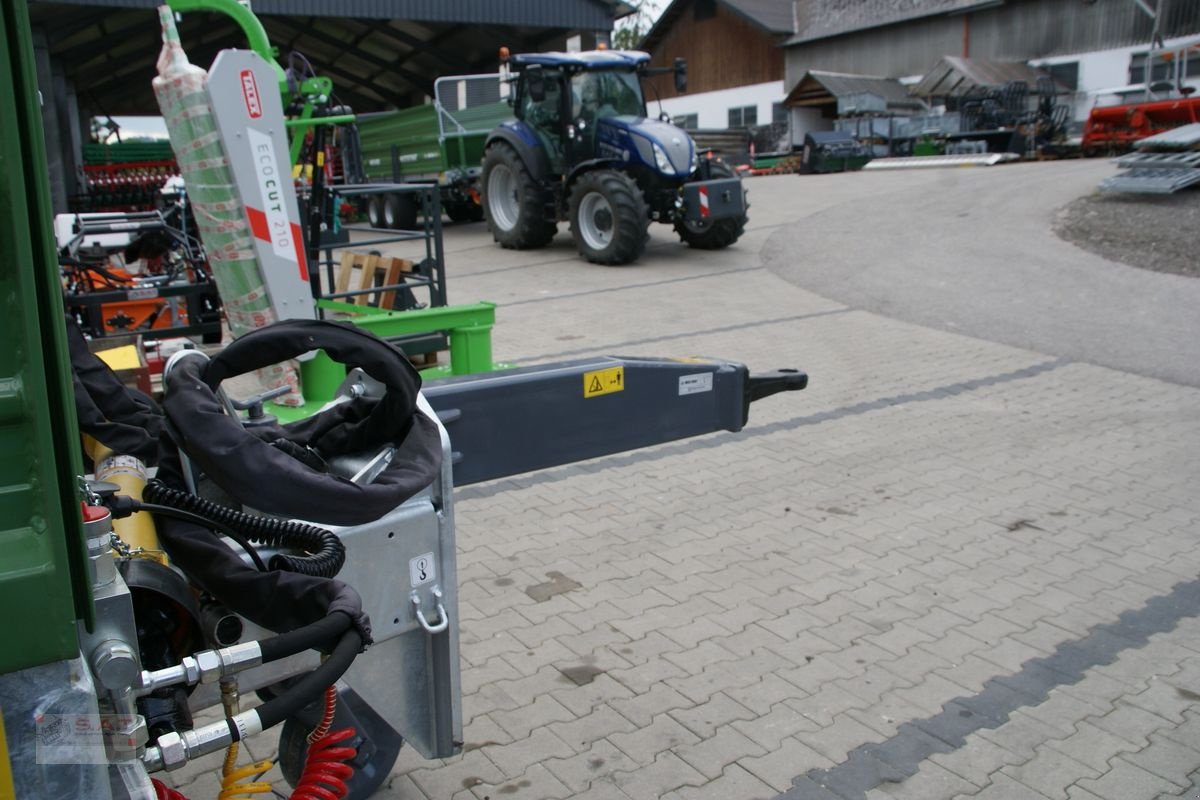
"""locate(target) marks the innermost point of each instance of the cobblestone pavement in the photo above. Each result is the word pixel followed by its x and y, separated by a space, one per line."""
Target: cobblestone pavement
pixel 950 568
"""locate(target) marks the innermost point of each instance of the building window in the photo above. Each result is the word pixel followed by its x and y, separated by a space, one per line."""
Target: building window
pixel 743 117
pixel 779 113
pixel 689 122
pixel 1163 70
pixel 1066 75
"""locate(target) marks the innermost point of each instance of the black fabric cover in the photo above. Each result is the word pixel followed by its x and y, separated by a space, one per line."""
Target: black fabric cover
pixel 278 601
pixel 123 419
pixel 250 469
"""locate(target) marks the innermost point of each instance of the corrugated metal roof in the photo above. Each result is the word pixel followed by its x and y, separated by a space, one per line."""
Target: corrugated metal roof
pixel 582 14
pixel 1044 27
pixel 820 88
pixel 955 76
pixel 107 48
pixel 820 19
pixel 775 16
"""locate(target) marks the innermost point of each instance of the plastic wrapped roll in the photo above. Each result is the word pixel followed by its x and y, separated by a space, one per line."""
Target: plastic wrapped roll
pixel 182 94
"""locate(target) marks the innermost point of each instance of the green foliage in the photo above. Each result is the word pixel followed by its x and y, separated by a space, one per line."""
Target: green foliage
pixel 633 28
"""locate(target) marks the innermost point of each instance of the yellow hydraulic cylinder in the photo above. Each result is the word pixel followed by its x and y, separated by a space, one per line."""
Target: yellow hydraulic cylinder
pixel 137 530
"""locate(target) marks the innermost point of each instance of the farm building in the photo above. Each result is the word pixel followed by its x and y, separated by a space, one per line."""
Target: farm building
pixel 1093 49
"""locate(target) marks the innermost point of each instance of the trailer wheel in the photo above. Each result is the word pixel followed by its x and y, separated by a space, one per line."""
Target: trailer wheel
pixel 375 211
pixel 400 212
pixel 514 205
pixel 713 235
pixel 609 217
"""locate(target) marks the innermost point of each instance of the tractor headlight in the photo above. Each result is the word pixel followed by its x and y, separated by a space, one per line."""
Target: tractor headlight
pixel 660 158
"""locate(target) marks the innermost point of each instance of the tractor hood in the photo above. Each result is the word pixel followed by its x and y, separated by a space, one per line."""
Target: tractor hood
pixel 658 145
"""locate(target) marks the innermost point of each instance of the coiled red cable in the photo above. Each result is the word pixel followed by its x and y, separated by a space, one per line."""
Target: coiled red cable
pixel 325 771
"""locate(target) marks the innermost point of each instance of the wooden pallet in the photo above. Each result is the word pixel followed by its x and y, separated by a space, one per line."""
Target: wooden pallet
pixel 373 270
pixel 369 270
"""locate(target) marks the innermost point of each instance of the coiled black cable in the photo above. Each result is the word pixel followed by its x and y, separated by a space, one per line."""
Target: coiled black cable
pixel 326 553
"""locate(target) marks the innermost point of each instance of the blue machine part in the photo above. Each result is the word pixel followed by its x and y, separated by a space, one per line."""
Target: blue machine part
pixel 591 59
pixel 658 146
pixel 522 130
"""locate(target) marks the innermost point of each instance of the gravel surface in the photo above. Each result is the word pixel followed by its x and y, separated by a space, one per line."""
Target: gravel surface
pixel 1155 232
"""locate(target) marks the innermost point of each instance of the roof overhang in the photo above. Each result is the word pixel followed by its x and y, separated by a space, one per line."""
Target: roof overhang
pixel 379 53
pixel 822 89
pixel 954 76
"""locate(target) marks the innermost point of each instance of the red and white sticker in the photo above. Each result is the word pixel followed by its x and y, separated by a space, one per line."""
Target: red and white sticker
pixel 270 223
pixel 703 201
pixel 250 94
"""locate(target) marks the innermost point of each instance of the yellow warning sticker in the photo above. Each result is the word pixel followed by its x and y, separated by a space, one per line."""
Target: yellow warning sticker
pixel 604 381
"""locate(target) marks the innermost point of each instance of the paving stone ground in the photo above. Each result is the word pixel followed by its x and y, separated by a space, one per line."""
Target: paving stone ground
pixel 950 568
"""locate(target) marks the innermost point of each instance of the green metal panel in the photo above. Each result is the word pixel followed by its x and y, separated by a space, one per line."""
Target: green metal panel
pixel 415 132
pixel 126 152
pixel 43 586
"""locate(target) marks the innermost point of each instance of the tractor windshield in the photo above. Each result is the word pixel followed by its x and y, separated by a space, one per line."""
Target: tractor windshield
pixel 606 93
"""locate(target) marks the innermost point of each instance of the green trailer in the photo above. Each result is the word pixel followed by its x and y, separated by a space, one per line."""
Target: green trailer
pixel 441 142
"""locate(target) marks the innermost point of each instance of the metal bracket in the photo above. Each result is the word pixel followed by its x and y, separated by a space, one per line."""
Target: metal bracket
pixel 443 619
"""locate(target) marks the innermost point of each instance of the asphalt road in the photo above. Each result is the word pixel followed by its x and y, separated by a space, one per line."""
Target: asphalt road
pixel 973 251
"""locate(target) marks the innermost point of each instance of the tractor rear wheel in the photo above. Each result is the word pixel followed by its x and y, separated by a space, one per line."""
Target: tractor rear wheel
pixel 514 205
pixel 609 217
pixel 713 235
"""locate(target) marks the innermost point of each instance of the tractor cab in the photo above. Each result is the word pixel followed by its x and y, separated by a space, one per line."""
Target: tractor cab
pixel 566 98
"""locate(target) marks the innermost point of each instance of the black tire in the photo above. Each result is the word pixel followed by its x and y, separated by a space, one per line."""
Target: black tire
pixel 514 205
pixel 375 211
pixel 609 217
pixel 464 212
pixel 400 212
pixel 713 235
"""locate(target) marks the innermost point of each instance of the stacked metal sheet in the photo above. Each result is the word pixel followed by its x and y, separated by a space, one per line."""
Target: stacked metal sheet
pixel 1164 164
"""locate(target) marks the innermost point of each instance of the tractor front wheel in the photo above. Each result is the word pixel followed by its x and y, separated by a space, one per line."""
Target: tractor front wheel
pixel 514 205
pixel 609 217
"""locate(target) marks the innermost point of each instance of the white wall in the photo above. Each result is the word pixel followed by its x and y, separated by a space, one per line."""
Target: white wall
pixel 1106 69
pixel 805 120
pixel 712 108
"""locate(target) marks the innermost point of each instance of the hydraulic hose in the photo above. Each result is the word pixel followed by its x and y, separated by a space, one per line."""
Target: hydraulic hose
pixel 312 685
pixel 325 549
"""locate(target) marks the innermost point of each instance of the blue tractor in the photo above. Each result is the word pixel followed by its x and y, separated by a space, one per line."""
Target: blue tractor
pixel 582 150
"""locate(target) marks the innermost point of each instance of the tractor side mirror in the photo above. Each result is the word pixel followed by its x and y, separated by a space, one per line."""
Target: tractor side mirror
pixel 535 82
pixel 681 75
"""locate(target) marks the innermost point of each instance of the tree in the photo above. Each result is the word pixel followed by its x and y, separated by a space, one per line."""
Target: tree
pixel 632 28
